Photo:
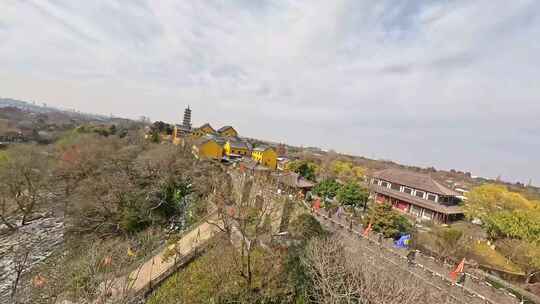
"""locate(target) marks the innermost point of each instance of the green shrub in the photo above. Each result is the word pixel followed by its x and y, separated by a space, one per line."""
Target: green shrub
pixel 387 221
pixel 351 194
pixel 133 219
pixel 520 224
pixel 305 227
pixel 306 169
pixel 173 197
pixel 328 188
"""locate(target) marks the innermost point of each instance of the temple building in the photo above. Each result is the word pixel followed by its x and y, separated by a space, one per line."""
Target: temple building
pixel 227 131
pixel 221 144
pixel 236 148
pixel 265 156
pixel 416 194
pixel 207 147
pixel 203 130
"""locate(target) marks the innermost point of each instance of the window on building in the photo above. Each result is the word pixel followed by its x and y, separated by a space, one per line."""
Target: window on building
pixel 420 193
pixel 407 190
pixel 384 184
pixel 415 210
pixel 374 181
pixel 427 214
pixel 431 197
pixel 395 186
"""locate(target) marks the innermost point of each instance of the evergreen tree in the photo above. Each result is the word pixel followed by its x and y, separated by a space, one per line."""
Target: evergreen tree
pixel 328 188
pixel 387 221
pixel 351 194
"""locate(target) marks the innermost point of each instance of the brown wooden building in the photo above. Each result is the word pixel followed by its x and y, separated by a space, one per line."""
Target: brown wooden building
pixel 416 194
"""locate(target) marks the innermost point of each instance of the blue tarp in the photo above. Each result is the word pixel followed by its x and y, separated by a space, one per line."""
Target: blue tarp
pixel 403 241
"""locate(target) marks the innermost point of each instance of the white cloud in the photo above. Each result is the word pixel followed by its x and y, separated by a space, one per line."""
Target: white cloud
pixel 450 84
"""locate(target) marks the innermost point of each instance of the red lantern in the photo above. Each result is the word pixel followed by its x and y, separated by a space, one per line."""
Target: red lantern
pixel 38 281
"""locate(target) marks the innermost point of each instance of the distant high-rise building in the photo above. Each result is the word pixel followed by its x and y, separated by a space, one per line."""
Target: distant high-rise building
pixel 187 119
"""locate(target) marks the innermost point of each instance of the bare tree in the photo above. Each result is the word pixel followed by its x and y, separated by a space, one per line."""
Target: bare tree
pixel 247 213
pixel 99 272
pixel 326 164
pixel 5 212
pixel 111 185
pixel 82 159
pixel 24 183
pixel 20 260
pixel 342 277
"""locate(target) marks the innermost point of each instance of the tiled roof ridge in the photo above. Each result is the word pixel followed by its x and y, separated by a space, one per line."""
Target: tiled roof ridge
pixel 417 180
pixel 224 128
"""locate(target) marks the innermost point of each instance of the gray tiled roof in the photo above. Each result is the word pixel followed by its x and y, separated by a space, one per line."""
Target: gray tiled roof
pixel 220 140
pixel 224 128
pixel 262 148
pixel 452 209
pixel 206 125
pixel 237 144
pixel 209 137
pixel 414 180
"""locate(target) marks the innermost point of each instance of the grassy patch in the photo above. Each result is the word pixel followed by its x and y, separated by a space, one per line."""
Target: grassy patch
pixel 485 255
pixel 514 292
pixel 215 277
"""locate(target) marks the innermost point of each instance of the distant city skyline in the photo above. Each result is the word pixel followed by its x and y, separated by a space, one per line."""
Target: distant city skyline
pixel 449 84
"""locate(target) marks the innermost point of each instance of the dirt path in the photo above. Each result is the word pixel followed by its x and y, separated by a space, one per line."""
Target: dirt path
pixel 149 272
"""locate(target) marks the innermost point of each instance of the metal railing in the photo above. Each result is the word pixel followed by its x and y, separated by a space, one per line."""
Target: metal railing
pixel 469 291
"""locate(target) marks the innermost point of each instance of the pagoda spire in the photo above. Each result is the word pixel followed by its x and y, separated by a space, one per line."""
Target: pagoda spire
pixel 187 119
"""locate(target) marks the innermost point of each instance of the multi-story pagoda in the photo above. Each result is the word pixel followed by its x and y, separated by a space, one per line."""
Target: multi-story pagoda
pixel 183 130
pixel 187 119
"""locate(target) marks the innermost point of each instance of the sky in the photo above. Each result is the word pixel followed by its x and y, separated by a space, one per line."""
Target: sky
pixel 449 84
